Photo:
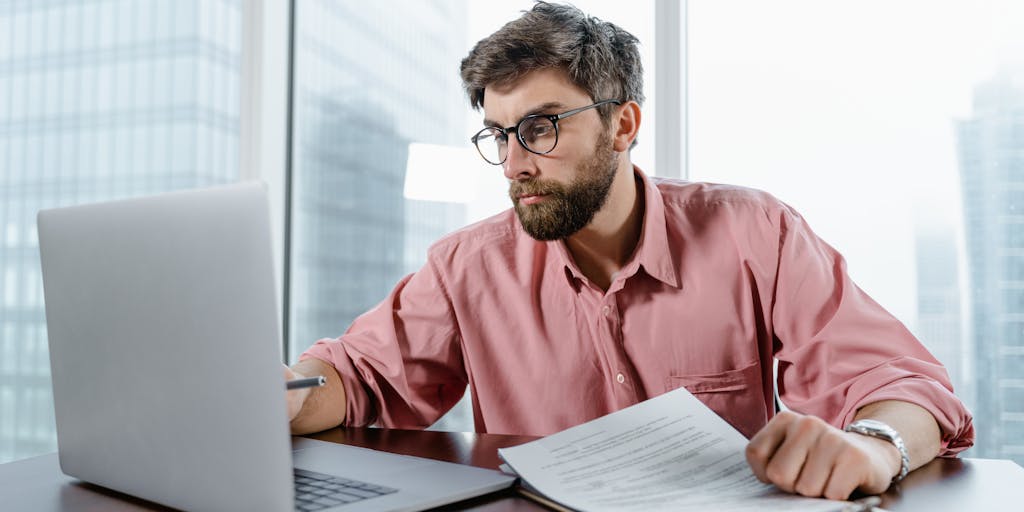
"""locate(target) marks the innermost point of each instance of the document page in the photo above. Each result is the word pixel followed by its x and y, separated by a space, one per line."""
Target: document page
pixel 668 453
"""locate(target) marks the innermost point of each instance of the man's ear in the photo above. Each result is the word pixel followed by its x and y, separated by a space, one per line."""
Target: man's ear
pixel 625 126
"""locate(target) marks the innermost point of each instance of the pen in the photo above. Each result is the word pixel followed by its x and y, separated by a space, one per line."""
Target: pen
pixel 311 382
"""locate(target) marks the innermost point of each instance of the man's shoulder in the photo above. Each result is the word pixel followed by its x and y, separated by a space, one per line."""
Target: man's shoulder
pixel 494 235
pixel 694 199
pixel 696 194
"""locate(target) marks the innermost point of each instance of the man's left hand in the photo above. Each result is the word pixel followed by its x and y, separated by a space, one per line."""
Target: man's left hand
pixel 804 455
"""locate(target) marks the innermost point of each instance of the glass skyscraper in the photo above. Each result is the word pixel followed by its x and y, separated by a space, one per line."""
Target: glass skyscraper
pixel 939 324
pixel 992 174
pixel 98 100
pixel 370 78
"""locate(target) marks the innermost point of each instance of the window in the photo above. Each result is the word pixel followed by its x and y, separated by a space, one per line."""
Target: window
pixel 364 94
pixel 98 100
pixel 894 128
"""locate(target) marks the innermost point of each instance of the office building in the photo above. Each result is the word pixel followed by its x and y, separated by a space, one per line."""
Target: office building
pixel 992 176
pixel 363 91
pixel 367 84
pixel 939 324
pixel 98 100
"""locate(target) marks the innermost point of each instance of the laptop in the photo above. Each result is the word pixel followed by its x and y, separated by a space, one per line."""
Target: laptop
pixel 166 365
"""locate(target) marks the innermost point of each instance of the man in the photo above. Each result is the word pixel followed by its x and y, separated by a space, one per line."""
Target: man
pixel 603 287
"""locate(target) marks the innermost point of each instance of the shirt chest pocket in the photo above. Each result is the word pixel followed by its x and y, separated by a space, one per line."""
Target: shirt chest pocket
pixel 735 395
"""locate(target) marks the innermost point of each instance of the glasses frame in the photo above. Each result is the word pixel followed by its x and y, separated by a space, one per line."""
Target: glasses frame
pixel 554 118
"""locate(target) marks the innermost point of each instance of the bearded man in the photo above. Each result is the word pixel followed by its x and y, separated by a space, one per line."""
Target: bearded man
pixel 604 286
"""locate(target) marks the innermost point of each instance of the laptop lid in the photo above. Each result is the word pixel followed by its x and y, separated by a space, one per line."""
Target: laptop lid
pixel 155 323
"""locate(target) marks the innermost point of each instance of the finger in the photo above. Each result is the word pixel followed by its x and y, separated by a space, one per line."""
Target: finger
pixel 820 462
pixel 296 399
pixel 766 441
pixel 846 475
pixel 787 463
pixel 872 459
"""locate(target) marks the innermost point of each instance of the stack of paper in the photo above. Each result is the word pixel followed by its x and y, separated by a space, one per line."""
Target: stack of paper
pixel 667 453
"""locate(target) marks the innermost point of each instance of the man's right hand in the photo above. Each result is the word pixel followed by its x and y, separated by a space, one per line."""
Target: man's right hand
pixel 315 409
pixel 296 397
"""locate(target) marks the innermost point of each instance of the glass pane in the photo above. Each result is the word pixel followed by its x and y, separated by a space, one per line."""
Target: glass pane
pixel 377 99
pixel 98 101
pixel 896 129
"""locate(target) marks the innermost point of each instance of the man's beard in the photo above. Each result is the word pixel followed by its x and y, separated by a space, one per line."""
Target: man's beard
pixel 566 209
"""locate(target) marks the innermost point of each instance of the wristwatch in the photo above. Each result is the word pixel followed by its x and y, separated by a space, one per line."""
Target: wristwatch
pixel 875 428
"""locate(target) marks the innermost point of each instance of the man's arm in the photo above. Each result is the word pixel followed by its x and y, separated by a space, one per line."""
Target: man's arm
pixel 842 357
pixel 917 427
pixel 315 409
pixel 804 454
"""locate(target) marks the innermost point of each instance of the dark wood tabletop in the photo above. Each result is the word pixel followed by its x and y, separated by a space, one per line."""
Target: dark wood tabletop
pixel 953 485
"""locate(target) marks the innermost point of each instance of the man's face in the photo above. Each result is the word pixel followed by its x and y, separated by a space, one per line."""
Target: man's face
pixel 556 194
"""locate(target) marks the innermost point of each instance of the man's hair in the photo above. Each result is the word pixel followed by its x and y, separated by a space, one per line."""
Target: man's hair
pixel 600 58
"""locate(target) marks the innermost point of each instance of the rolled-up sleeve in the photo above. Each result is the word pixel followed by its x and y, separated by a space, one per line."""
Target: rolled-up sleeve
pixel 839 350
pixel 401 362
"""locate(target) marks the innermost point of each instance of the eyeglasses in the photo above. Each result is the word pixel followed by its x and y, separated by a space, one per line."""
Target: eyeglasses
pixel 537 133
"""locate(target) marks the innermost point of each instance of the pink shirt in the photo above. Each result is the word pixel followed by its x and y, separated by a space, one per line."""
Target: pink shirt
pixel 724 279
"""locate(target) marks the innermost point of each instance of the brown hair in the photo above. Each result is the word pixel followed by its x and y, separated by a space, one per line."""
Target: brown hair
pixel 600 58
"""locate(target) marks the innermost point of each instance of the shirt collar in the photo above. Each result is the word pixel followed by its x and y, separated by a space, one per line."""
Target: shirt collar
pixel 652 252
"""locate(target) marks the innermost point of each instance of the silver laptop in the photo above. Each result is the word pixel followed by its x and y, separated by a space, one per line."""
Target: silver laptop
pixel 167 380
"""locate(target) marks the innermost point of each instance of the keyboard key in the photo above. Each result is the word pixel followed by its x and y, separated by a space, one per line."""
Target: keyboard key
pixel 316 491
pixel 361 493
pixel 328 502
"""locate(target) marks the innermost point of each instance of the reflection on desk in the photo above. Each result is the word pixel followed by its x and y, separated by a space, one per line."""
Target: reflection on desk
pixel 954 485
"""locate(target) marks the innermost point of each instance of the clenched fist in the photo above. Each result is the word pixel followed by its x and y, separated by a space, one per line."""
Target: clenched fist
pixel 804 455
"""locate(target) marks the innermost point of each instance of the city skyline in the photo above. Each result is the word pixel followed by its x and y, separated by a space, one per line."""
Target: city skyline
pixel 99 102
pixel 359 103
pixel 992 174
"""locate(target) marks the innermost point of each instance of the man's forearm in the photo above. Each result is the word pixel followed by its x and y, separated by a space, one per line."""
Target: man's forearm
pixel 917 427
pixel 324 408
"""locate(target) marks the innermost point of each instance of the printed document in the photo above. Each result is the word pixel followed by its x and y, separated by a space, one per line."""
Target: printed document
pixel 668 453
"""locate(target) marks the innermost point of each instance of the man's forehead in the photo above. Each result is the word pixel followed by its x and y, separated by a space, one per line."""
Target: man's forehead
pixel 533 93
pixel 543 108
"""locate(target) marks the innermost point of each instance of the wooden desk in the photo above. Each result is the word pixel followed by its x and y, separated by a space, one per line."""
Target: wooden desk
pixel 953 485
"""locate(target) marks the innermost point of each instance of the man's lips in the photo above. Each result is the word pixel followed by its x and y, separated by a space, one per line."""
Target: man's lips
pixel 531 198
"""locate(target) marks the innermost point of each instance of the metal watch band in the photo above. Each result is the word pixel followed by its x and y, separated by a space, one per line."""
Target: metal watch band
pixel 875 428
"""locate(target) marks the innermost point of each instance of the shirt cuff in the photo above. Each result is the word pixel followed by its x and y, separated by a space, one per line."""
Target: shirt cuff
pixel 955 422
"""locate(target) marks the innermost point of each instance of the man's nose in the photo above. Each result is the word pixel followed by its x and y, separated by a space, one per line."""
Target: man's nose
pixel 518 164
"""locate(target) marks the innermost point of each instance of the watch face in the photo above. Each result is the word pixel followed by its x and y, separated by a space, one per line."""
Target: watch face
pixel 873 425
pixel 877 429
pixel 873 428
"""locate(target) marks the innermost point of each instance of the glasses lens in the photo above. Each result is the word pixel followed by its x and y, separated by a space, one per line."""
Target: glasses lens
pixel 539 134
pixel 492 145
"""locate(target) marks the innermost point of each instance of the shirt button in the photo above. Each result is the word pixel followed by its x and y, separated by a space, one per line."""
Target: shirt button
pixel 620 378
pixel 605 310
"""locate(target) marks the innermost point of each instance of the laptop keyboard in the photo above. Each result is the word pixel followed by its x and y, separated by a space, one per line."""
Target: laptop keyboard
pixel 317 491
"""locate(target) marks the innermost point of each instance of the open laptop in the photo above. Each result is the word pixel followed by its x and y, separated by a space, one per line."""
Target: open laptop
pixel 167 381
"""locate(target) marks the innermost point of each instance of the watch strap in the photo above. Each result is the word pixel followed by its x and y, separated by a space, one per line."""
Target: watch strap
pixel 877 429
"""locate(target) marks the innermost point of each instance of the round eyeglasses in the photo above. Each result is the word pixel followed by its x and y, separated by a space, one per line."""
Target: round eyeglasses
pixel 537 133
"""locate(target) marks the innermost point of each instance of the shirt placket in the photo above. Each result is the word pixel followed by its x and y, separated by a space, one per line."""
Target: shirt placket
pixel 620 368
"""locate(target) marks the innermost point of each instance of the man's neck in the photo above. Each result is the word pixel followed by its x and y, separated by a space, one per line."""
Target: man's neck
pixel 605 245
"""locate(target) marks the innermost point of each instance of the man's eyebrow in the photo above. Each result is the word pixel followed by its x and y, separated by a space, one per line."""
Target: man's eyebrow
pixel 535 110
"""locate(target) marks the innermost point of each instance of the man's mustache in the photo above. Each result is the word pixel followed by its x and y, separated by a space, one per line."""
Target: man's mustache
pixel 533 187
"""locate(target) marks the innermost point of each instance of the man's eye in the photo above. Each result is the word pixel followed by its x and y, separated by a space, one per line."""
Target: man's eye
pixel 492 137
pixel 541 130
